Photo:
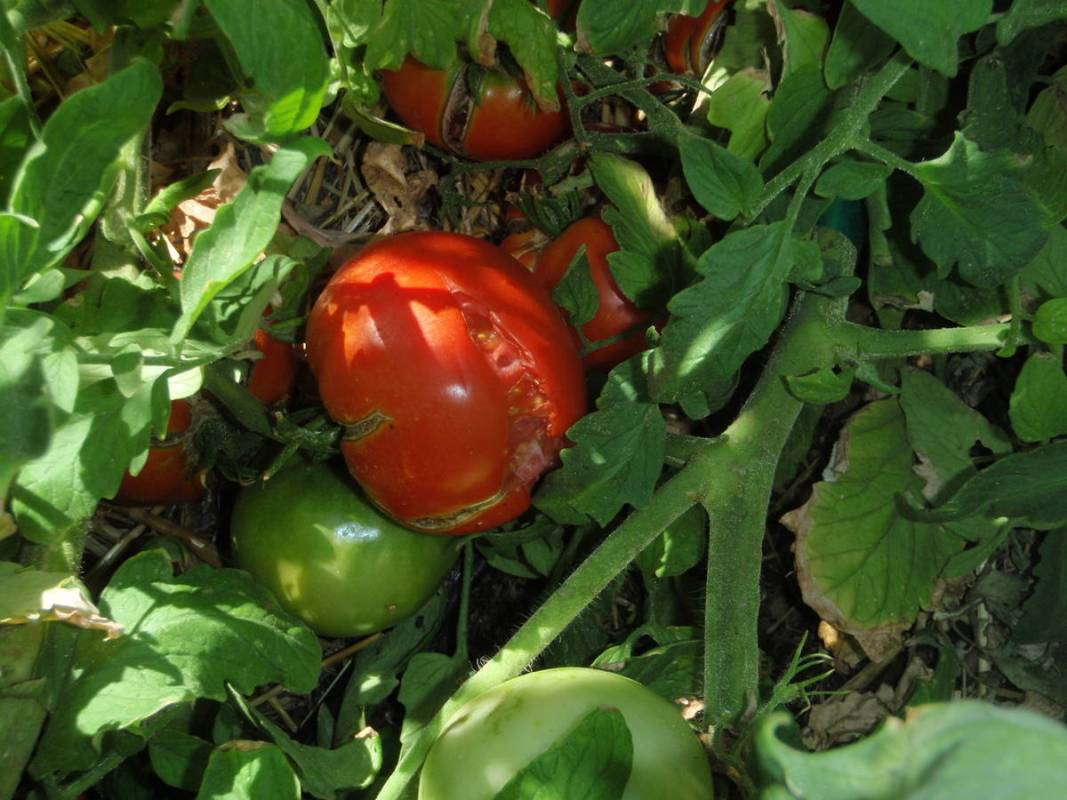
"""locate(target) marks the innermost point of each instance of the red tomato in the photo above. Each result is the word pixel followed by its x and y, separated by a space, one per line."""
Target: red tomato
pixel 500 122
pixel 454 374
pixel 688 38
pixel 525 247
pixel 616 314
pixel 418 94
pixel 167 475
pixel 272 376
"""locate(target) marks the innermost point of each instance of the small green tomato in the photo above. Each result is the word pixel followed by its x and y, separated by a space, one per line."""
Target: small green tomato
pixel 332 559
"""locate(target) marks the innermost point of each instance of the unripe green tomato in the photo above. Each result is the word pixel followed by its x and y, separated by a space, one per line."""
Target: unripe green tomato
pixel 311 537
pixel 497 734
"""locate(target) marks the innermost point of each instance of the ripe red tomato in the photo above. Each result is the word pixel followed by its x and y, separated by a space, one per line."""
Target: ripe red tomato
pixel 689 39
pixel 272 377
pixel 499 121
pixel 455 376
pixel 167 476
pixel 616 313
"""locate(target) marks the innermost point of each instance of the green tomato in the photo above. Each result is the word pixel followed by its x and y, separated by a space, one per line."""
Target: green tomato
pixel 311 537
pixel 497 734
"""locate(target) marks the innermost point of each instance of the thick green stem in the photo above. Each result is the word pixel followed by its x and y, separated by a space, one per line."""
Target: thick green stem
pixel 844 135
pixel 859 342
pixel 737 512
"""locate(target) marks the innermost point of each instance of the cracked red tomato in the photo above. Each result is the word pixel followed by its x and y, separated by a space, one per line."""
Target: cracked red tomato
pixel 690 40
pixel 487 115
pixel 454 376
pixel 616 314
pixel 168 475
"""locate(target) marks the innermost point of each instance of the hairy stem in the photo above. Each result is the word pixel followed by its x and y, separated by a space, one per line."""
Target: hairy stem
pixel 859 342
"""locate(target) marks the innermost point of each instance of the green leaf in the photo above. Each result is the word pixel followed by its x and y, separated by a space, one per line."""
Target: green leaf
pixel 187 637
pixel 852 180
pixel 576 293
pixel 592 761
pixel 679 548
pixel 803 36
pixel 429 680
pixel 609 27
pixel 1026 14
pixel 822 386
pixel 1037 410
pixel 977 212
pixel 242 228
pixel 15 137
pixel 86 458
pixel 724 183
pixel 242 770
pixel 674 669
pixel 428 31
pixel 285 93
pixel 23 396
pixel 323 772
pixel 857 47
pixel 157 213
pixel 531 38
pixel 740 106
pixel 179 759
pixel 1046 275
pixel 798 116
pixel 1029 488
pixel 375 669
pixel 861 565
pixel 65 177
pixel 1045 611
pixel 616 459
pixel 961 749
pixel 644 267
pixel 1050 321
pixel 1048 113
pixel 943 431
pixel 930 32
pixel 104 13
pixel 716 324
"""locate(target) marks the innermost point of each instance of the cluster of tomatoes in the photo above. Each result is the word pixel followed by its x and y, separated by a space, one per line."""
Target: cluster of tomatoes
pixel 443 358
pixel 454 378
pixel 488 114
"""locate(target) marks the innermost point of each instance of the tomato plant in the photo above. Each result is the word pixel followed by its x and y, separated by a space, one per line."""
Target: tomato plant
pixel 483 114
pixel 453 374
pixel 493 737
pixel 169 475
pixel 310 536
pixel 847 219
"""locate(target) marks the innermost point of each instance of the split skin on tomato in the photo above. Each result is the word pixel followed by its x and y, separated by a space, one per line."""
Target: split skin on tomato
pixel 484 114
pixel 454 376
pixel 168 475
pixel 689 39
pixel 497 734
pixel 310 536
